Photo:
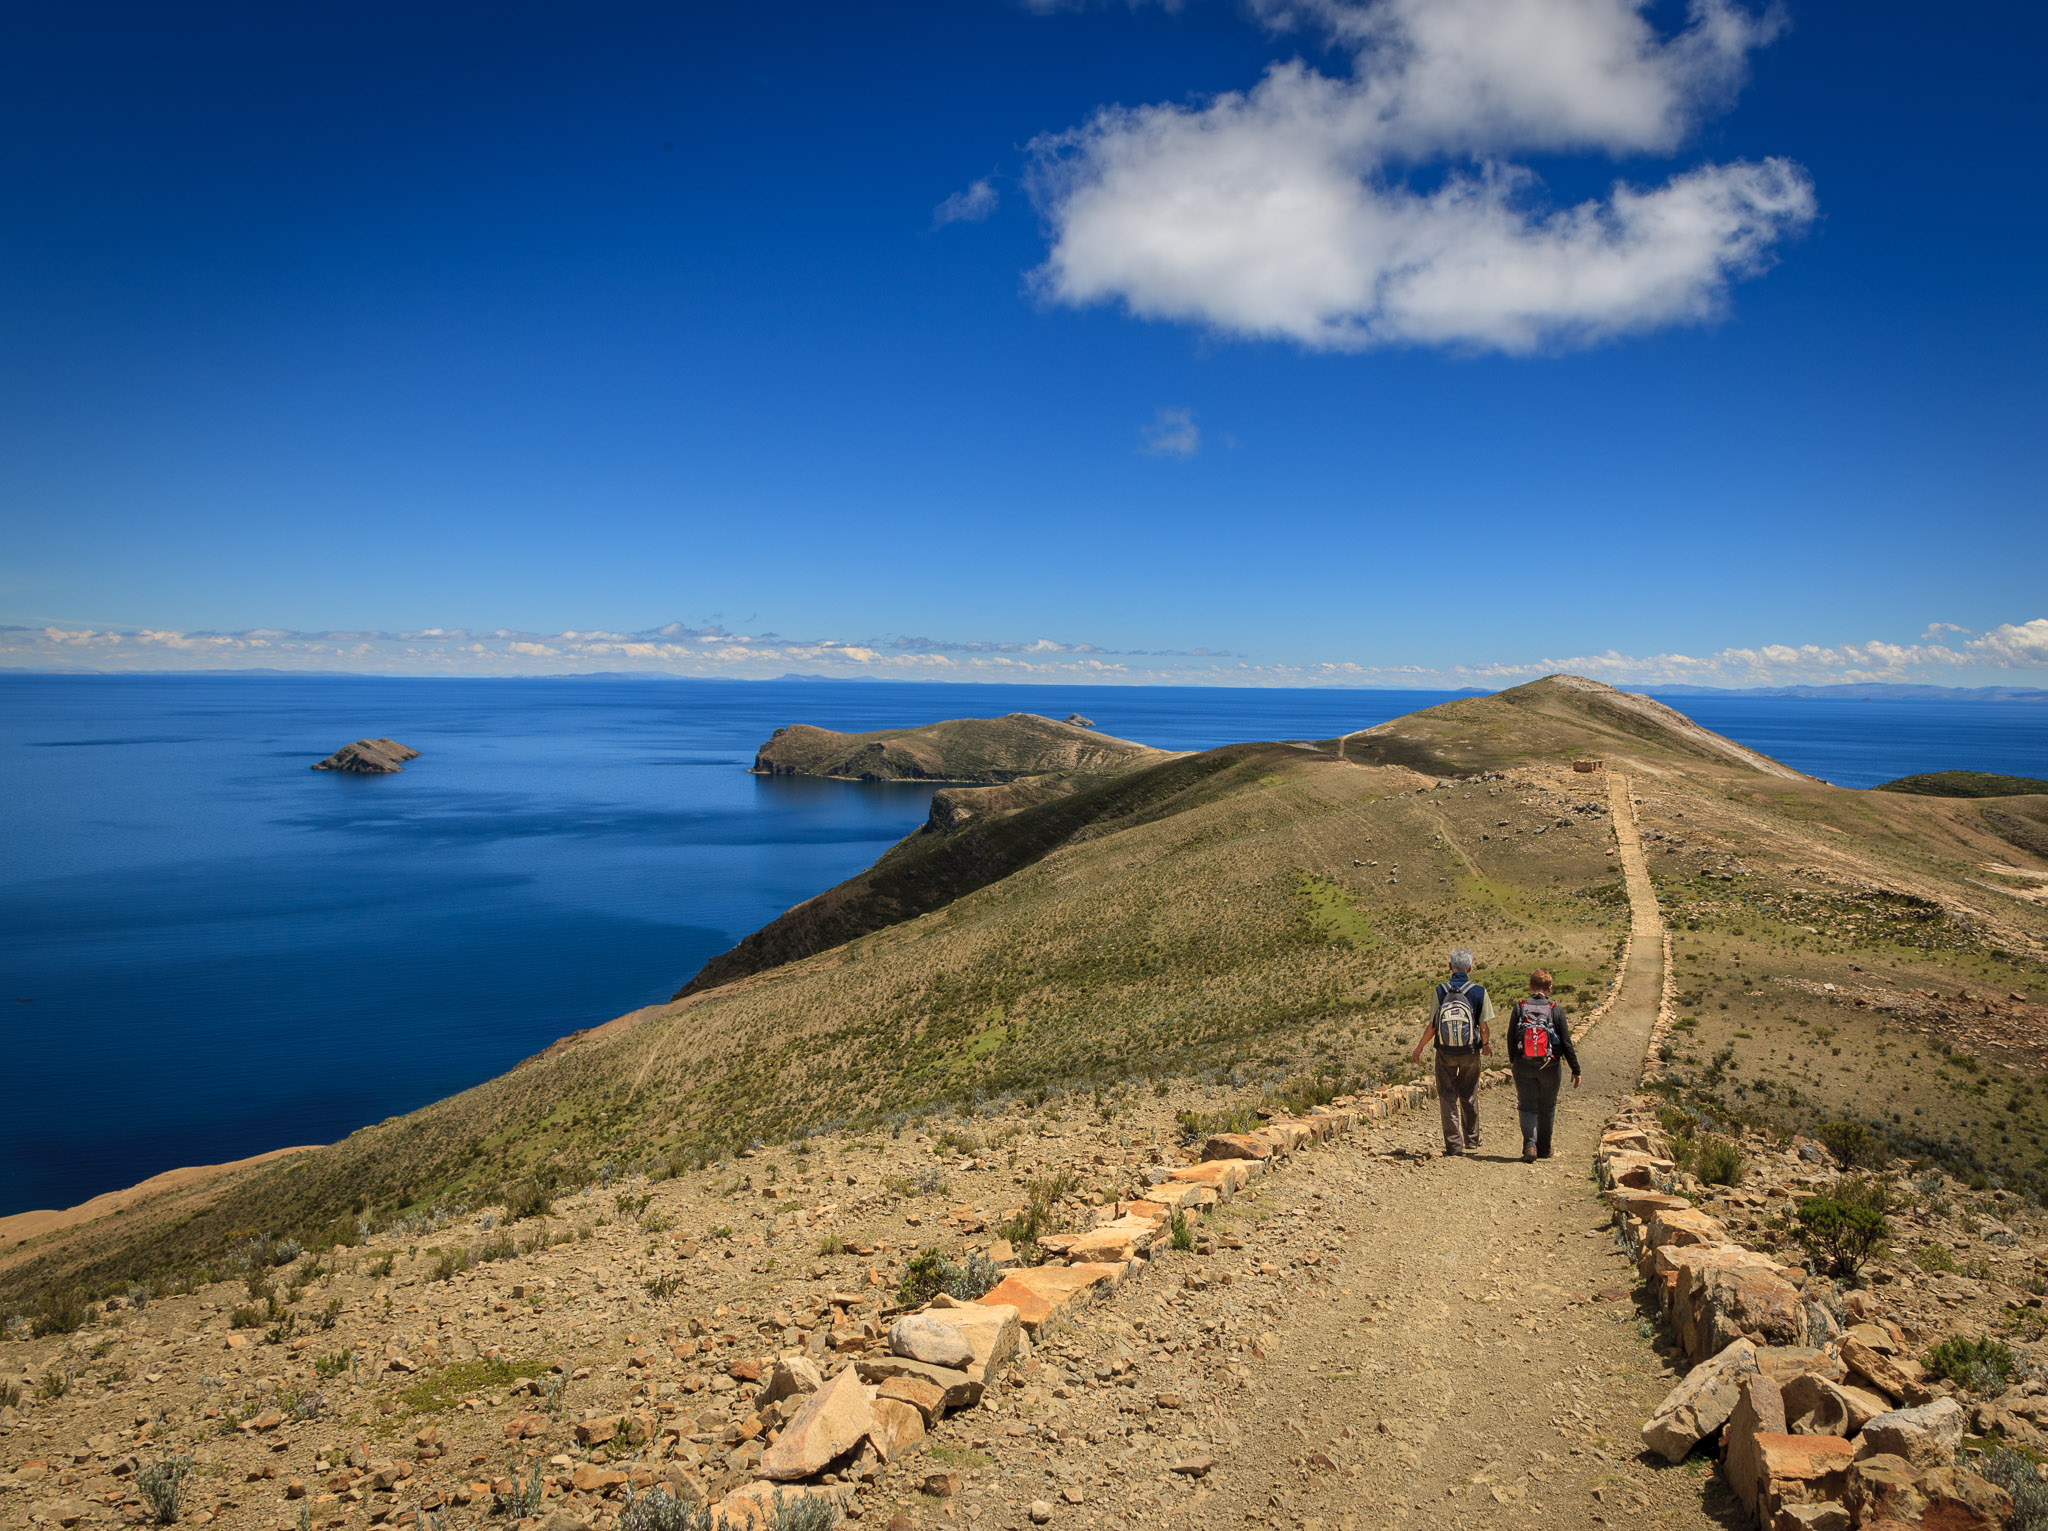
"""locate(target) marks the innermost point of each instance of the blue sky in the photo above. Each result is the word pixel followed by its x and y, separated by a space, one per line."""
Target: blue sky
pixel 982 340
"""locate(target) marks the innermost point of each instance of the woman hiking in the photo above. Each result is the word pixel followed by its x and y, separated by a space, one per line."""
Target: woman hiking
pixel 1537 1037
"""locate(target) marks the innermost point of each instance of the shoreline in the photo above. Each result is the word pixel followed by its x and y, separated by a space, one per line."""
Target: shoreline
pixel 18 1228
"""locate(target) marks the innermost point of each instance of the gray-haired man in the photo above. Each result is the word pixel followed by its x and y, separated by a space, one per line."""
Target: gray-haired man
pixel 1460 1021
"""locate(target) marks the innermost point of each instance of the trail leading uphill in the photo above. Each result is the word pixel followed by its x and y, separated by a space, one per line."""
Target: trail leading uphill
pixel 1476 1361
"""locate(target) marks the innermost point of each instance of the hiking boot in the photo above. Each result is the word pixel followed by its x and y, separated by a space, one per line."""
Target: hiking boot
pixel 1453 1153
pixel 1528 1156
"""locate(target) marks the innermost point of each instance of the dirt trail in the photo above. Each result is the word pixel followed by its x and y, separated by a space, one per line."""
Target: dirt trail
pixel 1460 1365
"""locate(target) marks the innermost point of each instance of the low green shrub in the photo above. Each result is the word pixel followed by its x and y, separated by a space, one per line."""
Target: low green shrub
pixel 62 1313
pixel 332 1366
pixel 1935 1258
pixel 1719 1162
pixel 2016 1473
pixel 1853 1144
pixel 1983 1365
pixel 1840 1236
pixel 1040 1212
pixel 931 1271
pixel 162 1484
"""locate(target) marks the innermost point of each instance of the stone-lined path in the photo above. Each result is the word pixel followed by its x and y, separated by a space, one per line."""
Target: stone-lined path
pixel 1461 1366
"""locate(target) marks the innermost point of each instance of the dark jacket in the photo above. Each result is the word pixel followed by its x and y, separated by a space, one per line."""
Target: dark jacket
pixel 1558 1024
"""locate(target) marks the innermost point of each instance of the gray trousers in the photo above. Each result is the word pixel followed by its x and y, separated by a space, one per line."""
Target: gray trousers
pixel 1457 1097
pixel 1536 1102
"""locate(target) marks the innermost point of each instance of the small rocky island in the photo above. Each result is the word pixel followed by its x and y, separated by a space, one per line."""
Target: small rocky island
pixel 369 757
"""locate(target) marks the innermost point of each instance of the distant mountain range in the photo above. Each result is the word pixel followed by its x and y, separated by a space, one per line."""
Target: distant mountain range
pixel 1861 691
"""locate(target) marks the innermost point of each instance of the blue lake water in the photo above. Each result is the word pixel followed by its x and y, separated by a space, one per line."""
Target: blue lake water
pixel 207 949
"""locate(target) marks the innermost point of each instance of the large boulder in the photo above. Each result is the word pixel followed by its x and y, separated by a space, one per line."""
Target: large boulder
pixel 1701 1403
pixel 1960 1500
pixel 1723 1295
pixel 790 1377
pixel 833 1421
pixel 1801 1469
pixel 1685 1226
pixel 992 1331
pixel 899 1428
pixel 922 1337
pixel 1883 1488
pixel 1818 1405
pixel 1899 1378
pixel 1927 1436
pixel 1759 1411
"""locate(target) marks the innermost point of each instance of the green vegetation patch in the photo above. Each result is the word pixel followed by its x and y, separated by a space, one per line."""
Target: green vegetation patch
pixel 443 1389
pixel 1331 912
pixel 1965 784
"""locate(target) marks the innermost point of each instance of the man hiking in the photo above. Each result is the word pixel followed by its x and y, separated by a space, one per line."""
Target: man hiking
pixel 1537 1037
pixel 1460 1018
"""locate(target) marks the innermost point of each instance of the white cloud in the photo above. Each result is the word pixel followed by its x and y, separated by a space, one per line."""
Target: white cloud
pixel 1282 213
pixel 676 649
pixel 969 206
pixel 2014 646
pixel 1172 433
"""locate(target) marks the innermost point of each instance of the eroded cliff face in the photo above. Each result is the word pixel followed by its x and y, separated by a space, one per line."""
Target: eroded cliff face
pixel 968 750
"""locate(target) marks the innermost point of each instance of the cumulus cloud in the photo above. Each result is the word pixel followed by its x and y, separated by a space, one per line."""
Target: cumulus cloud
pixel 1286 211
pixel 1172 433
pixel 969 206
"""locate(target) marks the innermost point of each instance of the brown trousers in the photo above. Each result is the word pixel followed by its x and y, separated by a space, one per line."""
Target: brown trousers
pixel 1457 1098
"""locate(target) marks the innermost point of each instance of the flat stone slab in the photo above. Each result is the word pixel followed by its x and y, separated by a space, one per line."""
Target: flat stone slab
pixel 991 1329
pixel 1119 1242
pixel 1041 1291
pixel 1235 1145
pixel 1227 1176
pixel 957 1390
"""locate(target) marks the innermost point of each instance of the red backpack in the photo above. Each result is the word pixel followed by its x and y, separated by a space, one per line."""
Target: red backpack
pixel 1539 1031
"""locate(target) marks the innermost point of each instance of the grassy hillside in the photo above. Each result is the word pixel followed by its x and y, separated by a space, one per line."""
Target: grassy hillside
pixel 961 849
pixel 958 750
pixel 1965 784
pixel 1269 918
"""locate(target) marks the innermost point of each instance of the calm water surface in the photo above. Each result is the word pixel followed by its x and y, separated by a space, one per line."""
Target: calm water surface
pixel 207 949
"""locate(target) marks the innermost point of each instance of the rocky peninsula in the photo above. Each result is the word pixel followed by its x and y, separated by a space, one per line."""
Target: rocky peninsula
pixel 979 751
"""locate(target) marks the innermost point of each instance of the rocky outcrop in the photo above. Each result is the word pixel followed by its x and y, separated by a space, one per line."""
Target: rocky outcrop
pixel 369 757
